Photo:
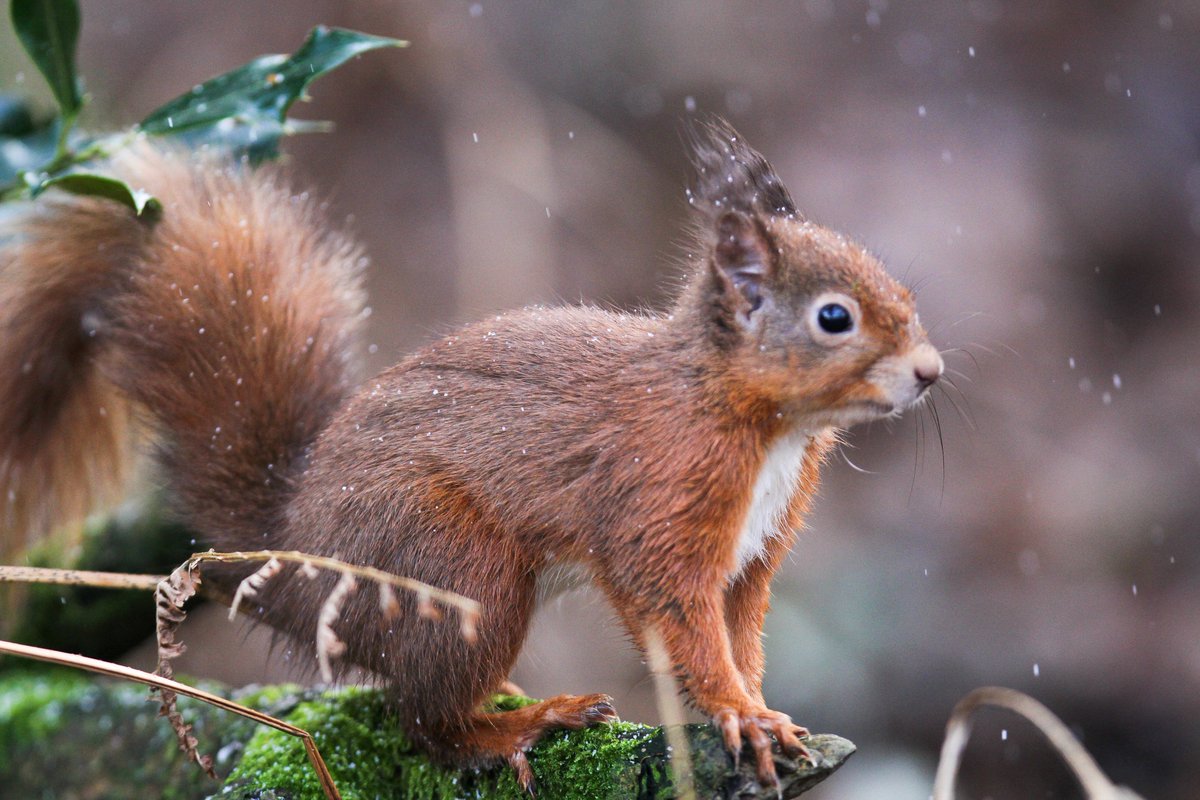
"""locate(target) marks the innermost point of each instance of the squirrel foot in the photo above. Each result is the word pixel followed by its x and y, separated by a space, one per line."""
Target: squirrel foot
pixel 510 734
pixel 755 725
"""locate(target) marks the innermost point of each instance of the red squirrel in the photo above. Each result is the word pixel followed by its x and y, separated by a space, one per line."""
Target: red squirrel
pixel 673 456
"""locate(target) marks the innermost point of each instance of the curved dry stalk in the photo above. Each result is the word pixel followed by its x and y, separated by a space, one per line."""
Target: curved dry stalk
pixel 168 685
pixel 670 708
pixel 78 577
pixel 1095 783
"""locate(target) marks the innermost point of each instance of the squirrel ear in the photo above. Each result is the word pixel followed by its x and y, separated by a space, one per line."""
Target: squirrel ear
pixel 742 258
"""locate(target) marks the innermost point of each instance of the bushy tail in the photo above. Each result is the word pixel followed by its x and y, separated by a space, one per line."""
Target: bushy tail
pixel 231 322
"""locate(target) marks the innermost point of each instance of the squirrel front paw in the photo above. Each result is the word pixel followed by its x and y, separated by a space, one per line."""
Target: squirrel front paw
pixel 758 725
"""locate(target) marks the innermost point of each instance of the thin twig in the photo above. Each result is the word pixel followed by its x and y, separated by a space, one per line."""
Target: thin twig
pixel 1095 783
pixel 78 577
pixel 165 684
pixel 666 694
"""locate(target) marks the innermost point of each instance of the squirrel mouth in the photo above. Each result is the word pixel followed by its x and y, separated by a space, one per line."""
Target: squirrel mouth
pixel 860 411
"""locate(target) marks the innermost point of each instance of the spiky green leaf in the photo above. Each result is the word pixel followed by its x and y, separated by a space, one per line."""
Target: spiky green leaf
pixel 247 107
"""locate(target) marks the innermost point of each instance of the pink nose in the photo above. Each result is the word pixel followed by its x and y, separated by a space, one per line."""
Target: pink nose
pixel 927 365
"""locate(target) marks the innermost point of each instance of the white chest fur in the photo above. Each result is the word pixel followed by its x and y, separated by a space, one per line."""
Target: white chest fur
pixel 773 489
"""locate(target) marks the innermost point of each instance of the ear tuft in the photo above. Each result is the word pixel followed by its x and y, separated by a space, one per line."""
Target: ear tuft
pixel 731 175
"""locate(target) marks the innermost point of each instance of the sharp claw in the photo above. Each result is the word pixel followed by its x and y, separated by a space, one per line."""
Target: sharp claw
pixel 524 773
pixel 766 773
pixel 601 712
pixel 788 743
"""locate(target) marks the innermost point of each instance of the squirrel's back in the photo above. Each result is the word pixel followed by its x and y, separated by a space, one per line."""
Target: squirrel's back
pixel 230 320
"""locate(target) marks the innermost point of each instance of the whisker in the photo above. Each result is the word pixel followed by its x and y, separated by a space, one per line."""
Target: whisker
pixel 958 373
pixel 993 353
pixel 967 416
pixel 937 424
pixel 962 351
pixel 851 464
pixel 948 379
pixel 919 284
pixel 953 322
pixel 918 460
pixel 966 317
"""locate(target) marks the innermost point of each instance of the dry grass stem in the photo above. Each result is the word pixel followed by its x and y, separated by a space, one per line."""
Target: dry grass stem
pixel 78 577
pixel 1096 785
pixel 670 708
pixel 167 685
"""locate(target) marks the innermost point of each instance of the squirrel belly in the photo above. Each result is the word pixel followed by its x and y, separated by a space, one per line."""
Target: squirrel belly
pixel 672 456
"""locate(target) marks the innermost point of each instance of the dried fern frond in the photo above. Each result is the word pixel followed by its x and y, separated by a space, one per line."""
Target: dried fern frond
pixel 252 584
pixel 181 585
pixel 329 646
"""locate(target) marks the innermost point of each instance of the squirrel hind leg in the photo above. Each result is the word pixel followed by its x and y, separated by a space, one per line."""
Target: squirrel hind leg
pixel 507 735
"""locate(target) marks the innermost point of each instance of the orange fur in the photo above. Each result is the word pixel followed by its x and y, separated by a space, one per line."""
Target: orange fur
pixel 629 443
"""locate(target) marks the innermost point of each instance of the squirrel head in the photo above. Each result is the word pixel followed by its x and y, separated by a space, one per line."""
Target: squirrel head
pixel 805 322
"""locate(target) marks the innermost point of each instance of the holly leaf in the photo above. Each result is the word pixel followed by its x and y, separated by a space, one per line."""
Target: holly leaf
pixel 92 184
pixel 48 30
pixel 247 107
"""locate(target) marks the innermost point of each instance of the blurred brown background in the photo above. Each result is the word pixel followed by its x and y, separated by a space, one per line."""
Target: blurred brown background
pixel 1034 167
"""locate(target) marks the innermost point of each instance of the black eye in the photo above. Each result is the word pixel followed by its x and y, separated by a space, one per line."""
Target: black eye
pixel 835 318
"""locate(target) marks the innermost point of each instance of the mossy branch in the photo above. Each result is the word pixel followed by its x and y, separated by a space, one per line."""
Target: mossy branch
pixel 57 733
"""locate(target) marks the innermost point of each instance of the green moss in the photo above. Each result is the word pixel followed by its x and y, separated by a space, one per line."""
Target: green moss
pixel 370 757
pixel 31 708
pixel 65 734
